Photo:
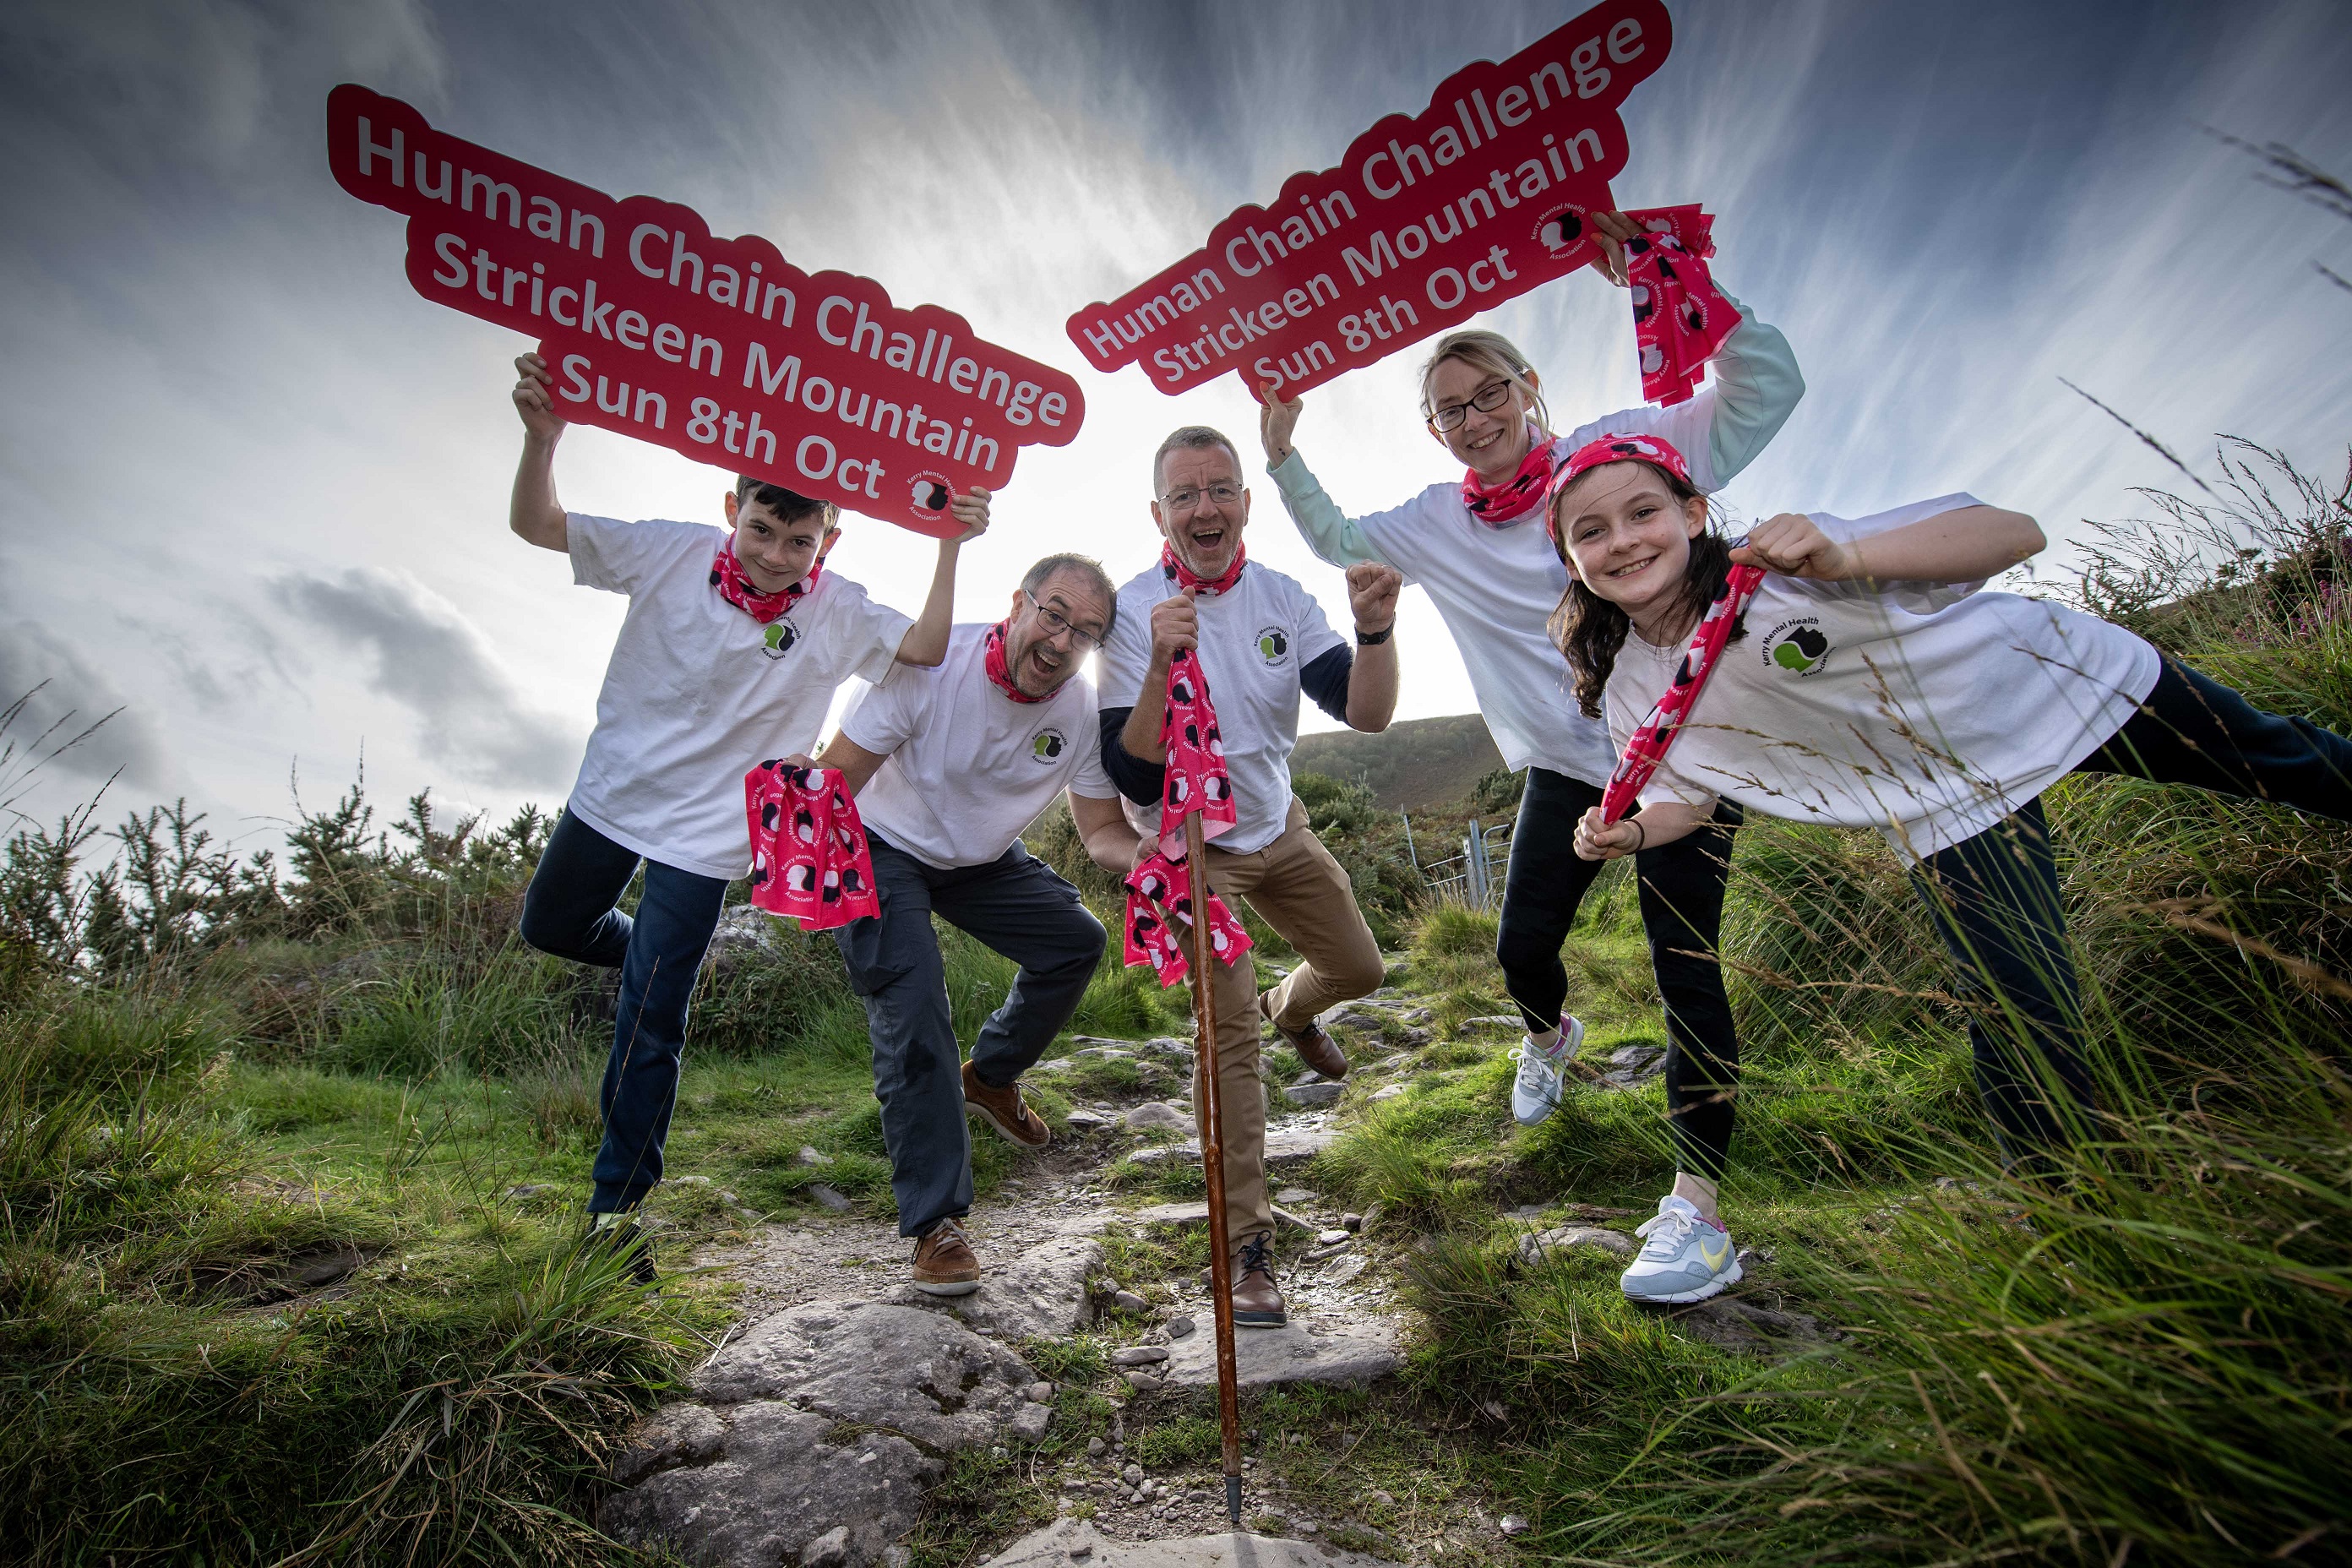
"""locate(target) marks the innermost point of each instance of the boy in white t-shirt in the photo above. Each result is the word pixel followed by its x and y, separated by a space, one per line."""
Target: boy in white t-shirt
pixel 948 765
pixel 1871 683
pixel 730 654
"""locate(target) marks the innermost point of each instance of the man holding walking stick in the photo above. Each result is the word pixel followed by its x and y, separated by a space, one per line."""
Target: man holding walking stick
pixel 1261 641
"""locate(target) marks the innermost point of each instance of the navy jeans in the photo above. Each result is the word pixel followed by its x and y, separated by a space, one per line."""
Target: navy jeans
pixel 1682 915
pixel 1994 898
pixel 572 910
pixel 1016 904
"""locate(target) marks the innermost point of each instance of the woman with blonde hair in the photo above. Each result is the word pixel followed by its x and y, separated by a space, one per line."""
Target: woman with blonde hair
pixel 1477 545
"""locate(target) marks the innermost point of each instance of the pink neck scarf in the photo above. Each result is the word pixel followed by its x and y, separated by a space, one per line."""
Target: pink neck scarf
pixel 1680 317
pixel 1498 506
pixel 727 576
pixel 999 671
pixel 809 858
pixel 1184 576
pixel 1160 895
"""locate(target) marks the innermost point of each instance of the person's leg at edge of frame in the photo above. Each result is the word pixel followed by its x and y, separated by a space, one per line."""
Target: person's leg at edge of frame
pixel 2192 729
pixel 1022 907
pixel 1994 901
pixel 1542 888
pixel 894 962
pixel 1688 1253
pixel 677 912
pixel 1305 894
pixel 1241 1093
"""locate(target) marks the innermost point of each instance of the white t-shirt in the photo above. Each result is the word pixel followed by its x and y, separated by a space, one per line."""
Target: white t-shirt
pixel 1498 588
pixel 1255 639
pixel 698 693
pixel 969 767
pixel 1926 711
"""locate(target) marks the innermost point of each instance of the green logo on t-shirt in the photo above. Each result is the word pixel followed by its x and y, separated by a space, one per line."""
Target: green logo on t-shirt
pixel 780 636
pixel 1047 745
pixel 1801 649
pixel 1272 644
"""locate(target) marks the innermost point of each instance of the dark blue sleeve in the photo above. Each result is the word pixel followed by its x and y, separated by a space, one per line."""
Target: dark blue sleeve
pixel 1326 680
pixel 1139 781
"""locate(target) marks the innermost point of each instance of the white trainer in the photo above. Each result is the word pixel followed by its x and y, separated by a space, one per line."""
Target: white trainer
pixel 1687 1255
pixel 1535 1091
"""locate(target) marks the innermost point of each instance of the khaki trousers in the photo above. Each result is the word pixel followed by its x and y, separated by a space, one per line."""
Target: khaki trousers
pixel 1296 887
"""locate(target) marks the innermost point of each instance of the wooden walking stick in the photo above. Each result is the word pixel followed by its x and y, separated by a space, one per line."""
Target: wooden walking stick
pixel 1212 1160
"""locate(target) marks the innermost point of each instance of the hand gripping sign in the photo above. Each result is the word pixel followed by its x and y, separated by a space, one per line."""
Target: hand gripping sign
pixel 1426 222
pixel 717 349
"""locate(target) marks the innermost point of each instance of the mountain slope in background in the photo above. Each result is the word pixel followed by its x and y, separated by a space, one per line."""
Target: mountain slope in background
pixel 1408 766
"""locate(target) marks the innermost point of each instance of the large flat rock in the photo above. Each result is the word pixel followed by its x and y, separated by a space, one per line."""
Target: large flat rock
pixel 1075 1543
pixel 1284 1146
pixel 1037 1292
pixel 1286 1354
pixel 829 1416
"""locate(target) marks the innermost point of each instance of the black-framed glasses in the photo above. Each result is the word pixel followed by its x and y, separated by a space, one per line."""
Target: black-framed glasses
pixel 1485 400
pixel 1221 494
pixel 1058 624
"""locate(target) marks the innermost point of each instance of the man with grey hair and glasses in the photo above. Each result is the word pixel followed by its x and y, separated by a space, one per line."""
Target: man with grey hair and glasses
pixel 947 768
pixel 1263 642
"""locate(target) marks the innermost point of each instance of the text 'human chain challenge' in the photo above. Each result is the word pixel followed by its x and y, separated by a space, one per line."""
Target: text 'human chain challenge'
pixel 717 349
pixel 1426 222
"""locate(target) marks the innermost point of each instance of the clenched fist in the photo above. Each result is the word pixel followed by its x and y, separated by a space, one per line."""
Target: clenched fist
pixel 1372 590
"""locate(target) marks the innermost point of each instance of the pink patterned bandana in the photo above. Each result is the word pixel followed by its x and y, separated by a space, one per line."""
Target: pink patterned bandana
pixel 1680 317
pixel 999 671
pixel 809 857
pixel 1160 895
pixel 1505 503
pixel 1613 448
pixel 727 576
pixel 1184 576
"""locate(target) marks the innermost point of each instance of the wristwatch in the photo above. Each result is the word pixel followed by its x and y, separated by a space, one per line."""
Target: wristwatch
pixel 1367 639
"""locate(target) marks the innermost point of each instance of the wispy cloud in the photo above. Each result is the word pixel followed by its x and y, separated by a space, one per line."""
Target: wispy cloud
pixel 471 717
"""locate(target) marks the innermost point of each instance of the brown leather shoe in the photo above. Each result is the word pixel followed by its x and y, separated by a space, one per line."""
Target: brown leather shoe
pixel 1315 1048
pixel 944 1264
pixel 1258 1300
pixel 1006 1111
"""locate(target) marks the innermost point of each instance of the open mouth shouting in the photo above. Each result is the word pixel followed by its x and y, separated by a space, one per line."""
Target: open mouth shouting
pixel 1207 541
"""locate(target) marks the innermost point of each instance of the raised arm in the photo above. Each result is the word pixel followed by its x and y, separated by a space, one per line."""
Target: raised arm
pixel 1756 387
pixel 1175 624
pixel 926 642
pixel 1373 592
pixel 1328 531
pixel 532 511
pixel 1968 544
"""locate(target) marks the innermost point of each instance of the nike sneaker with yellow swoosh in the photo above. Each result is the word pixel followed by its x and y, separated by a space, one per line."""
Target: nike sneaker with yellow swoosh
pixel 1685 1255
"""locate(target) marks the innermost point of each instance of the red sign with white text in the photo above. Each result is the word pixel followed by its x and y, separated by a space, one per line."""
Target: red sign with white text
pixel 1426 222
pixel 717 349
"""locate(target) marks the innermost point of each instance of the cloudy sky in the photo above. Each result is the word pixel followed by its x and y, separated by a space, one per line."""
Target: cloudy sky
pixel 253 489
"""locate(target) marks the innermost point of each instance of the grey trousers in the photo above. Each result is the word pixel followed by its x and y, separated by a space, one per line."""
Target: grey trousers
pixel 1017 905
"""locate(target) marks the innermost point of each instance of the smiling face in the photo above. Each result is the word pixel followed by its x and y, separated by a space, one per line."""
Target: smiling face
pixel 1491 443
pixel 775 553
pixel 1627 539
pixel 1041 657
pixel 1206 533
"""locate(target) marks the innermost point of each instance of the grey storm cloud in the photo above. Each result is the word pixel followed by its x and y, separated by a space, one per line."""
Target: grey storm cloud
pixel 63 695
pixel 471 715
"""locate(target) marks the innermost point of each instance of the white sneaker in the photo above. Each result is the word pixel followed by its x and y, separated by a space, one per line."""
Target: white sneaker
pixel 1535 1091
pixel 1687 1257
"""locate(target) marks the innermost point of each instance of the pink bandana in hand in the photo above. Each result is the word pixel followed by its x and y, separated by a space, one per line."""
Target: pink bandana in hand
pixel 1499 505
pixel 1160 897
pixel 1184 576
pixel 992 661
pixel 1647 748
pixel 809 857
pixel 727 576
pixel 1680 318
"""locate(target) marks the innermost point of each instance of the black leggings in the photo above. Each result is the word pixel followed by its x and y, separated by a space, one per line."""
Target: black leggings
pixel 1994 898
pixel 1682 915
